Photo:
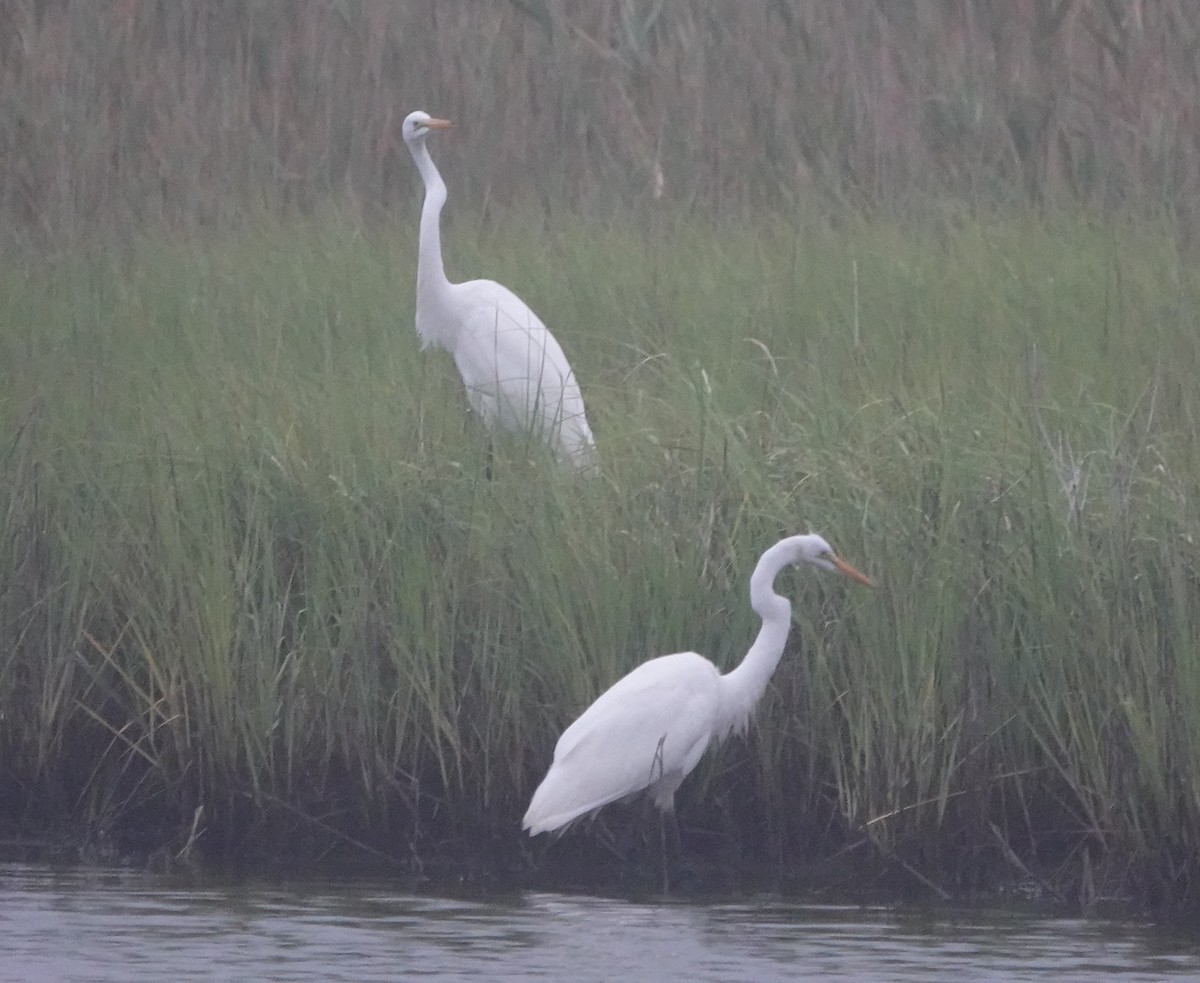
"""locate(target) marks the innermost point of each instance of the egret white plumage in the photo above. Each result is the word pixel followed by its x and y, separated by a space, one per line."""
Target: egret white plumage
pixel 650 728
pixel 514 370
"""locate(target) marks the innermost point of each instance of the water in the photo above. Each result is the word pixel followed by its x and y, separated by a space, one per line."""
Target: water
pixel 94 924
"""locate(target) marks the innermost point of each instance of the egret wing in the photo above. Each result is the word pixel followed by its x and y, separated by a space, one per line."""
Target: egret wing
pixel 646 731
pixel 513 368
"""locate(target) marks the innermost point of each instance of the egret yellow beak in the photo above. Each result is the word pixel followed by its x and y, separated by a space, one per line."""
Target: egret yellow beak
pixel 439 124
pixel 849 571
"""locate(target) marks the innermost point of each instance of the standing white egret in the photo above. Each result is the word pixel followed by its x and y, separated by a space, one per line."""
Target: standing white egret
pixel 515 371
pixel 650 728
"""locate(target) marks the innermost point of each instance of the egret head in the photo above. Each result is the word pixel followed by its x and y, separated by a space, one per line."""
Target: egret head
pixel 418 125
pixel 816 551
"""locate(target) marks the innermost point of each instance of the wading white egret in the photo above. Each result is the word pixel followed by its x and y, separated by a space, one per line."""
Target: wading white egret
pixel 514 370
pixel 650 728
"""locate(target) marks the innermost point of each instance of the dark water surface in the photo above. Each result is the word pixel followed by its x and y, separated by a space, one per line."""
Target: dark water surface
pixel 98 924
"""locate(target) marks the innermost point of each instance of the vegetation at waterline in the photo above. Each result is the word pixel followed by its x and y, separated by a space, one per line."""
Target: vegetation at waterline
pixel 257 589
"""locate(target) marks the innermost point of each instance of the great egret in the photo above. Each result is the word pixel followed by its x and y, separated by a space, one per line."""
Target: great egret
pixel 650 728
pixel 514 370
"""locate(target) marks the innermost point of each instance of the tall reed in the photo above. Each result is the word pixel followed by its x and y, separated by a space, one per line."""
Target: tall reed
pixel 115 113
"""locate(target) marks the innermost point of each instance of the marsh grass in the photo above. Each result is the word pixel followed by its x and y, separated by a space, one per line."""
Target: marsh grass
pixel 256 586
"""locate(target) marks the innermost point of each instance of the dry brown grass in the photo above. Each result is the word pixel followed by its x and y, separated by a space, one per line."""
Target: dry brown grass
pixel 114 112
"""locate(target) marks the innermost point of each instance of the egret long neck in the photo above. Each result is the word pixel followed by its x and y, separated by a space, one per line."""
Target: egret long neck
pixel 745 684
pixel 431 274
